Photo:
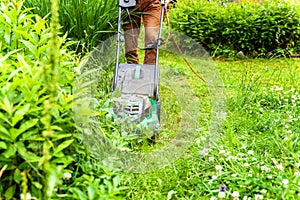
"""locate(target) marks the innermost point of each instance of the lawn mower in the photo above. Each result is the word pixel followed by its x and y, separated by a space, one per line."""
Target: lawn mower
pixel 138 101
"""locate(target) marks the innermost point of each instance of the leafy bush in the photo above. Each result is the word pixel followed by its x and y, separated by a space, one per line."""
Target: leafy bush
pixel 40 156
pixel 248 27
pixel 88 22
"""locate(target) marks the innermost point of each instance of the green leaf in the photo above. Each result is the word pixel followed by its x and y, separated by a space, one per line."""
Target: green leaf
pixel 17 176
pixel 10 151
pixel 61 136
pixel 55 112
pixel 79 194
pixel 22 110
pixel 91 192
pixel 4 118
pixel 7 106
pixel 10 192
pixel 3 145
pixel 27 155
pixel 30 46
pixel 40 25
pixel 37 185
pixel 2 59
pixel 63 145
pixel 24 63
pixel 18 116
pixel 24 127
pixel 16 119
pixel 4 134
pixel 14 133
pixel 66 160
pixel 12 74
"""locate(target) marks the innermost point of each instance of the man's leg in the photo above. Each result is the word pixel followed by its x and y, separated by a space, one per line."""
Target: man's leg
pixel 132 31
pixel 151 20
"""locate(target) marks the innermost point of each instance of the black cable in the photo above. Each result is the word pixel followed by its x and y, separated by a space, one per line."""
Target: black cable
pixel 132 29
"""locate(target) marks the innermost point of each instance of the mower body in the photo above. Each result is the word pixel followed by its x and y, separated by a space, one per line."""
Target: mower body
pixel 138 101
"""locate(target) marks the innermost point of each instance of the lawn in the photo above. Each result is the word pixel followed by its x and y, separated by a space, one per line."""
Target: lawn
pixel 256 154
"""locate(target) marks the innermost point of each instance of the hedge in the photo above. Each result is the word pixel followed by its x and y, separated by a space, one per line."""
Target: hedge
pixel 225 29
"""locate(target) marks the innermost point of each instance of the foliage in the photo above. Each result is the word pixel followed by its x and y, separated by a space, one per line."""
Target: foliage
pixel 257 156
pixel 41 155
pixel 249 27
pixel 87 22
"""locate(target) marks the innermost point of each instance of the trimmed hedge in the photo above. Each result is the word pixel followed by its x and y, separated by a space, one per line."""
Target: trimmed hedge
pixel 249 27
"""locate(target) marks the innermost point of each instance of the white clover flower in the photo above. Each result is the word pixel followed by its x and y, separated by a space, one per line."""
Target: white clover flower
pixel 263 191
pixel 246 165
pixel 280 167
pixel 159 181
pixel 235 194
pixel 211 159
pixel 298 164
pixel 214 177
pixel 274 161
pixel 213 198
pixel 287 126
pixel 258 197
pixel 265 168
pixel 28 196
pixel 218 168
pixel 222 195
pixel 250 152
pixel 234 175
pixel 254 159
pixel 231 158
pixel 278 88
pixel 250 174
pixel 240 154
pixel 222 152
pixel 297 173
pixel 204 152
pixel 269 177
pixel 285 182
pixel 67 176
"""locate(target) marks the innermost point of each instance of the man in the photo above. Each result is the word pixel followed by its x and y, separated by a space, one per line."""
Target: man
pixel 148 12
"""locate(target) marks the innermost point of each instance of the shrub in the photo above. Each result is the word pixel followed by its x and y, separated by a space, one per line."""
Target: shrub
pixel 227 29
pixel 40 156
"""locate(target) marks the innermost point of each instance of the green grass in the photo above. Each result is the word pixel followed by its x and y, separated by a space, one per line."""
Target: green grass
pixel 258 150
pixel 255 153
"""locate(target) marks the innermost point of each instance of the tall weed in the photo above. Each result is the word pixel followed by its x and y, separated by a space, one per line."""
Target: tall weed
pixel 87 22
